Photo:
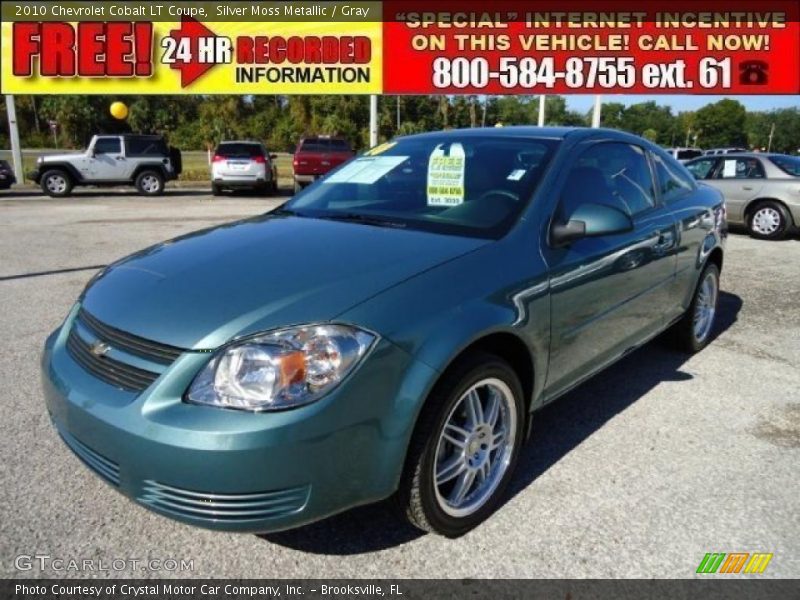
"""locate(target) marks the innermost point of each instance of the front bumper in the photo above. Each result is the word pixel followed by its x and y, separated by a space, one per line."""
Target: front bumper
pixel 237 471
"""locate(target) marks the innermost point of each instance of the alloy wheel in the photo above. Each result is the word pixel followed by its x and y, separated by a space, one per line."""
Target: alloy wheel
pixel 475 447
pixel 705 307
pixel 150 184
pixel 56 184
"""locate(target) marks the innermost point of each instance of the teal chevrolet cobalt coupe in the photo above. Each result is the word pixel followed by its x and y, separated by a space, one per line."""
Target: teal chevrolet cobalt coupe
pixel 390 331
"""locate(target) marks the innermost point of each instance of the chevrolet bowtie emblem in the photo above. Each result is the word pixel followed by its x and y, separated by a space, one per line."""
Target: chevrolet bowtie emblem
pixel 99 349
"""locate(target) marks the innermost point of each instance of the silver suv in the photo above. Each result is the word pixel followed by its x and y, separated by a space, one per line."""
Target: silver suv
pixel 144 161
pixel 243 165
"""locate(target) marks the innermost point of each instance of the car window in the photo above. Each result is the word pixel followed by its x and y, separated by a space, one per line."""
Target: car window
pixel 239 150
pixel 109 145
pixel 740 168
pixel 146 146
pixel 701 168
pixel 689 154
pixel 314 145
pixel 340 146
pixel 473 186
pixel 673 181
pixel 610 173
pixel 789 164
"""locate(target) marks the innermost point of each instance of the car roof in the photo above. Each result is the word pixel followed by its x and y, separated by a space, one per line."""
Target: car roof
pixel 530 132
pixel 241 142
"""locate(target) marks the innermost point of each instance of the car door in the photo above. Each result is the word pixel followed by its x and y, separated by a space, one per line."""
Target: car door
pixel 608 293
pixel 740 179
pixel 106 159
pixel 694 218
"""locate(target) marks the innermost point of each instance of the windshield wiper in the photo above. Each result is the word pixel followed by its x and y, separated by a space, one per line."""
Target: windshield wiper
pixel 375 220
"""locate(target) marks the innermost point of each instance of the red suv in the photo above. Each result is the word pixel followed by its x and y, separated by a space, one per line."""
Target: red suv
pixel 317 155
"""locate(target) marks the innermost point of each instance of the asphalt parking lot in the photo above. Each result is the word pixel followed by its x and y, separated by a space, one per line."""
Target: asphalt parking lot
pixel 637 473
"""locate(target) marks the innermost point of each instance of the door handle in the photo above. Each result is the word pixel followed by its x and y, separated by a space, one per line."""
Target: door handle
pixel 663 241
pixel 747 188
pixel 120 157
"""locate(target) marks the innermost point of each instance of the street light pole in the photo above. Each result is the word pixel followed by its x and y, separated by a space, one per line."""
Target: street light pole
pixel 598 105
pixel 373 120
pixel 13 130
pixel 541 110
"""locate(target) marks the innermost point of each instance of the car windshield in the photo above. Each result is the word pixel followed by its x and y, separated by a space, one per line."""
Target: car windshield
pixel 229 150
pixel 790 164
pixel 473 186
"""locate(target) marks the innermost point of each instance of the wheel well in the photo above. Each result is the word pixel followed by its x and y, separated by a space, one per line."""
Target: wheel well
pixel 511 349
pixel 753 203
pixel 141 168
pixel 716 258
pixel 67 169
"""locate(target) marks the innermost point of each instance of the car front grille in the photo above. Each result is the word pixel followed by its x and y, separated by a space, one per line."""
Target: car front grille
pixel 105 468
pixel 120 375
pixel 152 351
pixel 88 335
pixel 207 506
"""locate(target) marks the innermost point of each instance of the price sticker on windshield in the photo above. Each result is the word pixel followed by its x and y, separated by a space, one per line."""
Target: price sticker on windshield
pixel 446 176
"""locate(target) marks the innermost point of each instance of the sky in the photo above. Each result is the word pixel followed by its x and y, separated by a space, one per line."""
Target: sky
pixel 682 102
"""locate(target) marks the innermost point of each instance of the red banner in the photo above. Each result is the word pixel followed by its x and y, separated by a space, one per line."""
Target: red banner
pixel 518 47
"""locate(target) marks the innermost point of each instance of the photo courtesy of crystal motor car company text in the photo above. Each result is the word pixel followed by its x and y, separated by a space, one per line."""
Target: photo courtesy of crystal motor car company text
pixel 325 256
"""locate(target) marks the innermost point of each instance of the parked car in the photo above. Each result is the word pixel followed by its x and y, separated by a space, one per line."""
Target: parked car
pixel 243 165
pixel 7 177
pixel 715 151
pixel 317 155
pixel 144 161
pixel 684 154
pixel 762 191
pixel 389 331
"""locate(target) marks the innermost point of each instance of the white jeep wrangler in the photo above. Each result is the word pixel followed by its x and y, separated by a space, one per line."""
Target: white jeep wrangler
pixel 144 161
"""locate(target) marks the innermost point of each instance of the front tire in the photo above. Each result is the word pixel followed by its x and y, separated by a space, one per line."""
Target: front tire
pixel 693 332
pixel 769 220
pixel 465 447
pixel 150 183
pixel 56 183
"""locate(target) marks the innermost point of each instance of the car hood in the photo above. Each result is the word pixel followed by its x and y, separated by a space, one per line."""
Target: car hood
pixel 45 158
pixel 203 289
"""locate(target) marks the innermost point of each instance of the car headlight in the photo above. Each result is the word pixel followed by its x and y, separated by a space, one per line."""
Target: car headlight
pixel 280 369
pixel 38 160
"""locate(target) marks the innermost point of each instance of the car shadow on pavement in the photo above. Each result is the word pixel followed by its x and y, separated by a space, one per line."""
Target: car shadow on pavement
pixel 558 429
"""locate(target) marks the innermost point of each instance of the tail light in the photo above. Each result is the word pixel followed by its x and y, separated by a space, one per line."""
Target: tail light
pixel 259 160
pixel 218 158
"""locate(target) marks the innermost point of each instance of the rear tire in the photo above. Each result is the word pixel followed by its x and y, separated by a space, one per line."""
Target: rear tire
pixel 462 455
pixel 693 332
pixel 216 190
pixel 56 183
pixel 769 220
pixel 150 183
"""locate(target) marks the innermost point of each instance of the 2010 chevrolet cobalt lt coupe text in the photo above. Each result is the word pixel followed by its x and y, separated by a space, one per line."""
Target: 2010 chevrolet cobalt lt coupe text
pixel 387 332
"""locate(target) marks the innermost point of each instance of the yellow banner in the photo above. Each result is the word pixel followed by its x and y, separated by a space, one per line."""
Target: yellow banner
pixel 191 57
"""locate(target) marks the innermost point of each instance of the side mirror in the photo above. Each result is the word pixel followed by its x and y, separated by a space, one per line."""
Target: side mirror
pixel 590 220
pixel 273 156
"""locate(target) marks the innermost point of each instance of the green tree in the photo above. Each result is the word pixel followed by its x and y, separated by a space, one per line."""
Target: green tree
pixel 721 124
